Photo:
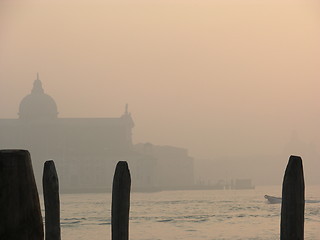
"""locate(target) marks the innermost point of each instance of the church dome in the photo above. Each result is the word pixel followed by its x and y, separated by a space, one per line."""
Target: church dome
pixel 38 105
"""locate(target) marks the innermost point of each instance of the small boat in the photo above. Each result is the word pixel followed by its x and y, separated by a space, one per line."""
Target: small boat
pixel 273 200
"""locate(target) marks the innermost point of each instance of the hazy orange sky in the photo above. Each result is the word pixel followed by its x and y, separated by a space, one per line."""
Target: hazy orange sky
pixel 217 77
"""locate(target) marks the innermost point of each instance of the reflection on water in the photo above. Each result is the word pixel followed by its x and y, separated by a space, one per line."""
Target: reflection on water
pixel 169 215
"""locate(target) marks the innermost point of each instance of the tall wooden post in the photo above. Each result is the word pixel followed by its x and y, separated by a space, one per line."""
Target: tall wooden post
pixel 50 185
pixel 292 207
pixel 121 202
pixel 20 213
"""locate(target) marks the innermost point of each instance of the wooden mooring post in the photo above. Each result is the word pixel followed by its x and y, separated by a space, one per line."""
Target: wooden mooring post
pixel 293 201
pixel 20 213
pixel 50 183
pixel 120 202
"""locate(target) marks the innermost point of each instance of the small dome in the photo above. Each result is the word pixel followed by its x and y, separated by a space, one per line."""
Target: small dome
pixel 38 105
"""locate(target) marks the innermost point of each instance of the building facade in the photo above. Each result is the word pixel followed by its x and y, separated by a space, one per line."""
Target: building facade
pixel 85 150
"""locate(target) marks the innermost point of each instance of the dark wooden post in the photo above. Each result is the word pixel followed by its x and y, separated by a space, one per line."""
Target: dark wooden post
pixel 20 213
pixel 121 202
pixel 50 185
pixel 292 207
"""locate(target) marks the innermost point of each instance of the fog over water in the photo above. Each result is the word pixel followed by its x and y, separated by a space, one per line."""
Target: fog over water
pixel 235 82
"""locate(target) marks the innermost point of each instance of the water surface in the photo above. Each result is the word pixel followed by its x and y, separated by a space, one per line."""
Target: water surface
pixel 188 215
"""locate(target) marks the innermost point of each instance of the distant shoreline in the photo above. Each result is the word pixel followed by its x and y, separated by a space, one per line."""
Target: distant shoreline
pixel 151 189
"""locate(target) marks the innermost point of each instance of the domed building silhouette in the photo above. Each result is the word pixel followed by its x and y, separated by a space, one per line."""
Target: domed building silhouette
pixel 85 150
pixel 38 105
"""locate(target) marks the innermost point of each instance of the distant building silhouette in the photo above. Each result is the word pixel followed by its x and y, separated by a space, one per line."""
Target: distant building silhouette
pixel 85 150
pixel 174 165
pixel 38 106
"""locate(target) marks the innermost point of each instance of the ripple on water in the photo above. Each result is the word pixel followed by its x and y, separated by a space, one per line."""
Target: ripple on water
pixel 188 215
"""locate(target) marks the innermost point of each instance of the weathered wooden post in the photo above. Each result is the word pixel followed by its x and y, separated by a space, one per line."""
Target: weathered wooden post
pixel 292 207
pixel 121 202
pixel 20 213
pixel 50 185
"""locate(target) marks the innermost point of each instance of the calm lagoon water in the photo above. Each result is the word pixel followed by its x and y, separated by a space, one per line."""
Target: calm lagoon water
pixel 189 215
